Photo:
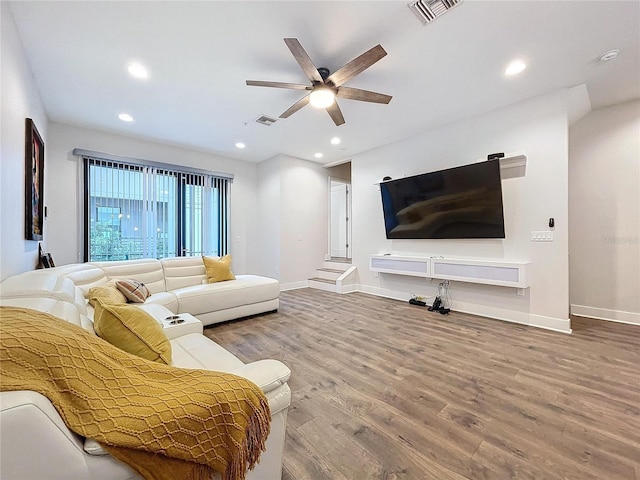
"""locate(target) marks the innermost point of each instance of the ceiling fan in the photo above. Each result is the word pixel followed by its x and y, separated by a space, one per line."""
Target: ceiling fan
pixel 325 86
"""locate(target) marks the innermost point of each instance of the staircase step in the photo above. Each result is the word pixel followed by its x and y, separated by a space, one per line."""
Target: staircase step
pixel 322 280
pixel 331 265
pixel 340 260
pixel 323 284
pixel 330 270
pixel 328 273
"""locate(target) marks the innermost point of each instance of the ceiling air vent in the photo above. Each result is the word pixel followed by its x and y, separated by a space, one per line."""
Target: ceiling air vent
pixel 428 10
pixel 266 120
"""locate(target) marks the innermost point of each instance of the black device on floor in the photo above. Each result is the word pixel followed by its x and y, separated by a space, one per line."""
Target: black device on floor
pixel 438 306
pixel 437 303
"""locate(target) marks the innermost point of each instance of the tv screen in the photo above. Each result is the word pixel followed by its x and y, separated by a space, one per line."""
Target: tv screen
pixel 460 202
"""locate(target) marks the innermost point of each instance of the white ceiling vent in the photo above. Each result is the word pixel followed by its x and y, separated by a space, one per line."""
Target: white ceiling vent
pixel 428 10
pixel 266 120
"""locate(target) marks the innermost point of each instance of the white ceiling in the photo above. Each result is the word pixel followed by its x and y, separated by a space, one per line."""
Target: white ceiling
pixel 200 53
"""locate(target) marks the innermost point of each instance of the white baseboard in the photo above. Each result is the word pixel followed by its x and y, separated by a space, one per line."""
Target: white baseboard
pixel 293 286
pixel 562 325
pixel 382 292
pixel 523 318
pixel 620 316
pixel 347 288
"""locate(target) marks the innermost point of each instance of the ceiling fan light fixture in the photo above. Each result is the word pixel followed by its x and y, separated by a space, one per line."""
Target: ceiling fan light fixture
pixel 322 97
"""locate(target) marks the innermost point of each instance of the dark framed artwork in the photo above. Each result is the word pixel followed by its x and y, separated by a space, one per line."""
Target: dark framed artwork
pixel 34 182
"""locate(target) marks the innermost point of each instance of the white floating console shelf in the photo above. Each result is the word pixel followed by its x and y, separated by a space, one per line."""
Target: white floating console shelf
pixel 510 160
pixel 413 266
pixel 490 272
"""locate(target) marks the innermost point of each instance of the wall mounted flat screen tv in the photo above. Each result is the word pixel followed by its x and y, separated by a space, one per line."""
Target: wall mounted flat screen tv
pixel 460 202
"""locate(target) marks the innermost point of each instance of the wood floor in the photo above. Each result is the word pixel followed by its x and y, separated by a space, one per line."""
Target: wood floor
pixel 386 390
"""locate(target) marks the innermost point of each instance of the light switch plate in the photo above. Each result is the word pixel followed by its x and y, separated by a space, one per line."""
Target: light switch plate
pixel 542 236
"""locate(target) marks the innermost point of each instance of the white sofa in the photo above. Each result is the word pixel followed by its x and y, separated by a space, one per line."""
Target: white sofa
pixel 34 441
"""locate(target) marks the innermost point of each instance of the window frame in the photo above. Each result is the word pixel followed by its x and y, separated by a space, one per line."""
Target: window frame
pixel 220 182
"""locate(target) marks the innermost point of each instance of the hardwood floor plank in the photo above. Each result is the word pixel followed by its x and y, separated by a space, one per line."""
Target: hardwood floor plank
pixel 385 390
pixel 309 462
pixel 510 466
pixel 333 443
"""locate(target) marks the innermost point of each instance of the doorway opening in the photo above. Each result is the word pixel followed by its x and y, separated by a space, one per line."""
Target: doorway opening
pixel 340 220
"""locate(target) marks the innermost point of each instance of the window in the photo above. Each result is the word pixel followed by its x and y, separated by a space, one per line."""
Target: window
pixel 153 211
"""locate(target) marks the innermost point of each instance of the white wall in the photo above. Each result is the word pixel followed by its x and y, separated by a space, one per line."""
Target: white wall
pixel 20 100
pixel 604 208
pixel 65 192
pixel 304 191
pixel 293 206
pixel 269 218
pixel 539 128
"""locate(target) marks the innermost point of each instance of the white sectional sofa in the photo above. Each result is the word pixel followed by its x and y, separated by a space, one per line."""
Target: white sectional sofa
pixel 34 441
pixel 179 284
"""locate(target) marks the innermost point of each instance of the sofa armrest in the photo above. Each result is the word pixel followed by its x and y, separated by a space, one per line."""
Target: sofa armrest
pixel 267 374
pixel 35 440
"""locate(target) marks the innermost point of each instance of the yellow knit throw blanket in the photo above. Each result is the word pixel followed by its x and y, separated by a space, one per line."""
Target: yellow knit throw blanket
pixel 165 422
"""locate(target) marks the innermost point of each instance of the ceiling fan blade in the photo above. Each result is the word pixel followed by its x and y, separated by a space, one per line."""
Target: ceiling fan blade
pixel 363 95
pixel 294 86
pixel 295 107
pixel 357 65
pixel 303 59
pixel 335 113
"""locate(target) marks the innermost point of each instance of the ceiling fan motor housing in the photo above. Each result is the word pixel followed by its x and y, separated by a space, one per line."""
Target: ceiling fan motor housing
pixel 324 73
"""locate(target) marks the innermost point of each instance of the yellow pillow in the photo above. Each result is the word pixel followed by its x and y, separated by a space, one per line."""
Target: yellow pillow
pixel 108 294
pixel 133 330
pixel 218 269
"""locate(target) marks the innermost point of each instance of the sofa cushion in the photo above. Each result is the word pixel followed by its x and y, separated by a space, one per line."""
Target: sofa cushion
pixel 58 308
pixel 259 289
pixel 146 270
pixel 180 272
pixel 159 312
pixel 166 299
pixel 132 330
pixel 211 297
pixel 197 351
pixel 134 290
pixel 218 269
pixel 43 283
pixel 83 275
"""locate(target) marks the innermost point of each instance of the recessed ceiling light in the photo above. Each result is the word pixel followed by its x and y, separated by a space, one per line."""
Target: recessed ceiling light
pixel 610 55
pixel 335 141
pixel 515 67
pixel 138 70
pixel 240 145
pixel 318 155
pixel 125 117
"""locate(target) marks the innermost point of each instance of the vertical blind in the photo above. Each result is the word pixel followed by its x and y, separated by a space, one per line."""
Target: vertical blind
pixel 150 211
